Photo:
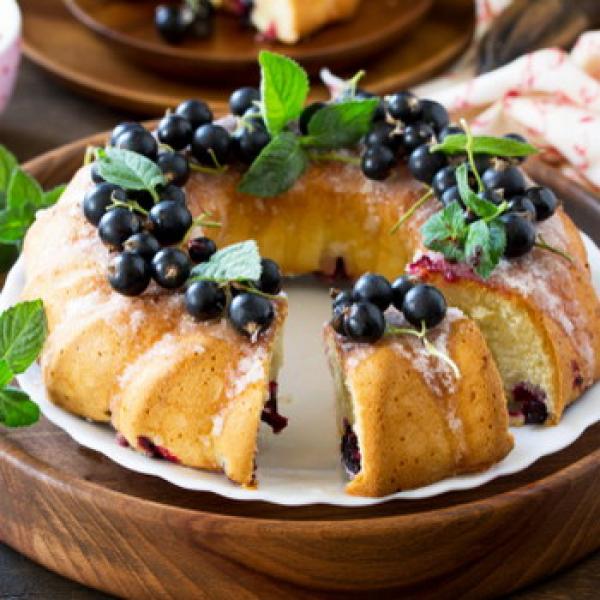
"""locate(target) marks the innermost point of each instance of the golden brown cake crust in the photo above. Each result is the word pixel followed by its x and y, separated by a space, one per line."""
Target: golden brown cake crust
pixel 195 390
pixel 413 426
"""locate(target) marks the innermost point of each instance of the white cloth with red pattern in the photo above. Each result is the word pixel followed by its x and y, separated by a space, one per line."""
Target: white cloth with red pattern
pixel 550 96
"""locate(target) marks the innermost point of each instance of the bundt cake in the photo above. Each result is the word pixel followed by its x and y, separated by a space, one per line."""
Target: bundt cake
pixel 358 185
pixel 407 418
pixel 290 20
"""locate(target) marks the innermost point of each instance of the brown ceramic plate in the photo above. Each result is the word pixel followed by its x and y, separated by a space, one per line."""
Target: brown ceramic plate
pixel 230 52
pixel 59 44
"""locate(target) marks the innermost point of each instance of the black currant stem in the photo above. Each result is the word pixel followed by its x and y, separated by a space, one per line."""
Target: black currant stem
pixel 334 156
pixel 90 155
pixel 542 244
pixel 166 147
pixel 252 290
pixel 354 81
pixel 470 155
pixel 207 170
pixel 202 222
pixel 429 347
pixel 411 211
pixel 130 204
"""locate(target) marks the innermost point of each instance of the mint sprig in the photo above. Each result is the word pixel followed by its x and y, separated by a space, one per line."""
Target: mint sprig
pixel 22 335
pixel 21 197
pixel 129 170
pixel 237 262
pixel 284 89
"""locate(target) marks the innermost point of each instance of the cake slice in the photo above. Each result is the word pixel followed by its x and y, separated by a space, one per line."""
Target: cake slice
pixel 406 419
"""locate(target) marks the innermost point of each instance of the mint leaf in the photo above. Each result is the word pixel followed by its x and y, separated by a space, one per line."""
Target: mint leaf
pixel 445 232
pixel 342 124
pixel 497 241
pixel 6 374
pixel 13 226
pixel 8 163
pixel 23 196
pixel 238 262
pixel 52 196
pixel 8 256
pixel 17 409
pixel 129 170
pixel 480 206
pixel 483 144
pixel 276 168
pixel 484 246
pixel 284 87
pixel 22 334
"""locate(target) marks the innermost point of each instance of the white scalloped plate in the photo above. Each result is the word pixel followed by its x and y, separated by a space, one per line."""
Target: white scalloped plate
pixel 301 465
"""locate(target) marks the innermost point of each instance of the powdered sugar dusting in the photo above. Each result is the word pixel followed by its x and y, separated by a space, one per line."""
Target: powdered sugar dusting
pixel 249 369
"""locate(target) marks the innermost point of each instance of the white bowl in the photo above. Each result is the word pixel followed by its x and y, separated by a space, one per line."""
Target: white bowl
pixel 10 48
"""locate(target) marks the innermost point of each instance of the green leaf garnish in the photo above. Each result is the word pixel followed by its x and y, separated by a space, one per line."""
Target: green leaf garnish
pixel 484 144
pixel 284 87
pixel 238 262
pixel 276 168
pixel 8 163
pixel 340 125
pixel 24 195
pixel 476 204
pixel 52 196
pixel 17 409
pixel 130 170
pixel 446 232
pixel 22 335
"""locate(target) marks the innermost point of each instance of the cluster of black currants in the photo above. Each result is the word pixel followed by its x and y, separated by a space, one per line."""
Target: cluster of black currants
pixel 502 180
pixel 359 313
pixel 192 18
pixel 403 128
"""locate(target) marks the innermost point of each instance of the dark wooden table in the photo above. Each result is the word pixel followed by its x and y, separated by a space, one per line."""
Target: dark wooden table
pixel 43 115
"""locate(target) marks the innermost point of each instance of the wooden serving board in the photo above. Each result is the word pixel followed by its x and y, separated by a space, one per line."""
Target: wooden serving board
pixel 131 535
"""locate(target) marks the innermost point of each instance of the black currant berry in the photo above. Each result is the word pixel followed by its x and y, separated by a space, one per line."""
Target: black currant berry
pixel 444 179
pixel 451 195
pixel 339 306
pixel 171 22
pixel 205 300
pixel 482 162
pixel 172 192
pixel 122 128
pixel 196 112
pixel 416 135
pixel 520 235
pixel 424 304
pixel 201 249
pixel 170 221
pixel 117 225
pixel 385 134
pixel 175 167
pixel 400 288
pixel 242 99
pixel 364 322
pixel 144 244
pixel 544 201
pixel 99 198
pixel 249 143
pixel 170 268
pixel 95 173
pixel 128 274
pixel 404 106
pixel 140 141
pixel 211 145
pixel 523 206
pixel 434 114
pixel 424 164
pixel 270 277
pixel 373 288
pixel 307 114
pixel 175 131
pixel 491 196
pixel 507 178
pixel 251 314
pixel 377 162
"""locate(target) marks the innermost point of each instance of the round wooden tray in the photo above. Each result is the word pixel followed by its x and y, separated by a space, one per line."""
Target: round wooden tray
pixel 230 52
pixel 53 39
pixel 131 535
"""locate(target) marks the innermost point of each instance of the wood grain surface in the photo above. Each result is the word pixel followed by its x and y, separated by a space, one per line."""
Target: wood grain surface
pixel 87 64
pixel 229 53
